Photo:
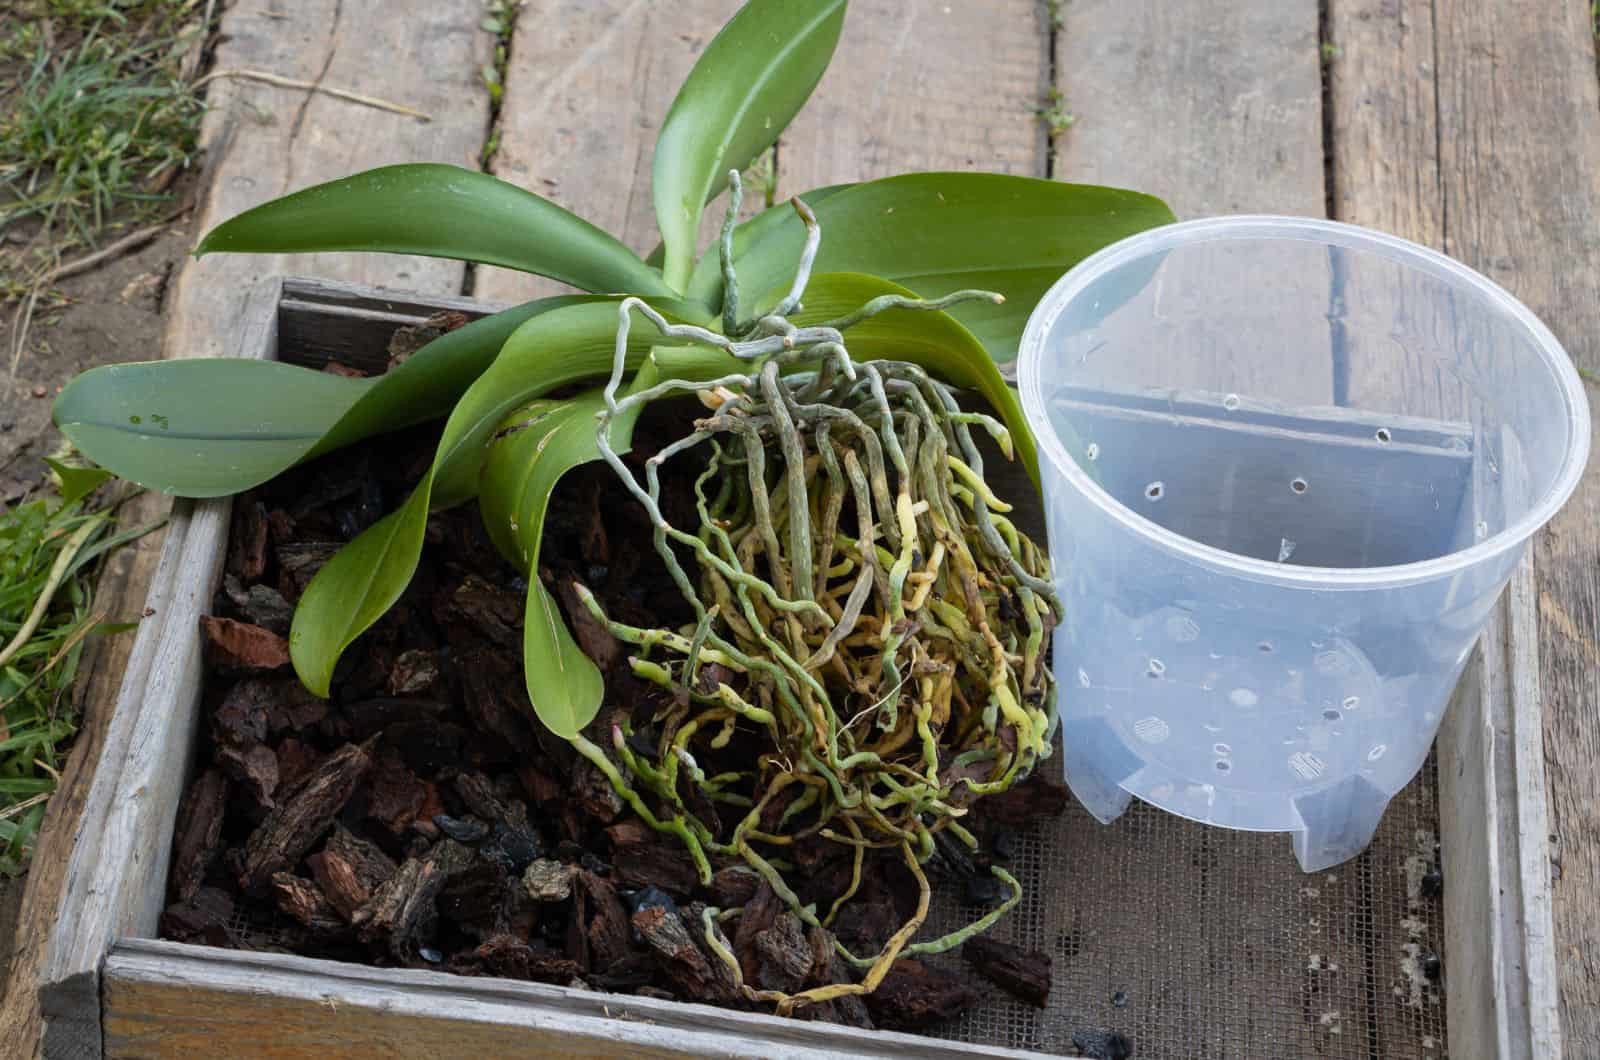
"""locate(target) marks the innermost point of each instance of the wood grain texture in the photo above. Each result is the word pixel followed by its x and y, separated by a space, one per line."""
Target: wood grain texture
pixel 262 141
pixel 327 320
pixel 924 85
pixel 1383 112
pixel 115 875
pixel 165 999
pixel 588 84
pixel 1216 107
pixel 1507 179
pixel 1501 995
pixel 134 577
pixel 63 988
pixel 1213 105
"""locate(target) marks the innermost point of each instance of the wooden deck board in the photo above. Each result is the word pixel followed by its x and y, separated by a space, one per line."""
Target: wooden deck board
pixel 1213 105
pixel 261 141
pixel 1520 171
pixel 588 84
pixel 1216 107
pixel 1476 129
pixel 924 85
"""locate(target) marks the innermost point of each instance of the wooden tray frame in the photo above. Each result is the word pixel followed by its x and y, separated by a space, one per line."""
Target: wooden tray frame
pixel 109 988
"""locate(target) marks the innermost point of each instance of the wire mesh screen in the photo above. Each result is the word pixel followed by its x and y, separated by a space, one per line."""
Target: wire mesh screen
pixel 1192 941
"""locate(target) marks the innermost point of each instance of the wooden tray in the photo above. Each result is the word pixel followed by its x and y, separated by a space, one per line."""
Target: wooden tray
pixel 110 988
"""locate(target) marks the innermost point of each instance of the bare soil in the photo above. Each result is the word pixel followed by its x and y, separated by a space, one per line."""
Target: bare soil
pixel 112 313
pixel 421 818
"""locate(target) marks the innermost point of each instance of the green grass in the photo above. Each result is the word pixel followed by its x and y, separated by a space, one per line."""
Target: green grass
pixel 97 111
pixel 47 546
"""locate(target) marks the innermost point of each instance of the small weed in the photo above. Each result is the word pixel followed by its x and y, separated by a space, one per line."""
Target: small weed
pixel 490 146
pixel 499 18
pixel 1330 51
pixel 1053 12
pixel 46 614
pixel 1054 113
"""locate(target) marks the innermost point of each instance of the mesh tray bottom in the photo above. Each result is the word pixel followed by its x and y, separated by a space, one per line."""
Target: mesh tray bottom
pixel 1201 942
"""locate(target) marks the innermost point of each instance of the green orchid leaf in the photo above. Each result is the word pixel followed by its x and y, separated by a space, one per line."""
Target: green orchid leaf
pixel 531 450
pixel 934 340
pixel 705 284
pixel 752 79
pixel 564 685
pixel 210 427
pixel 363 580
pixel 76 482
pixel 444 212
pixel 942 232
pixel 205 427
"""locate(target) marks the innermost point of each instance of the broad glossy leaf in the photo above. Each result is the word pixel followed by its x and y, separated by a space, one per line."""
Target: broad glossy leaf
pixel 202 428
pixel 942 232
pixel 932 339
pixel 532 449
pixel 752 79
pixel 443 212
pixel 705 285
pixel 210 427
pixel 364 579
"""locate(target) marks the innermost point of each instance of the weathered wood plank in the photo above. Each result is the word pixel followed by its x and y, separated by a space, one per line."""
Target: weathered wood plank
pixel 1211 104
pixel 115 872
pixel 1385 171
pixel 171 1000
pixel 135 577
pixel 588 84
pixel 325 320
pixel 924 85
pixel 117 876
pixel 1216 107
pixel 262 141
pixel 1384 116
pixel 1501 995
pixel 1504 173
